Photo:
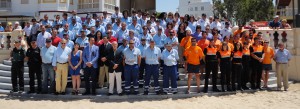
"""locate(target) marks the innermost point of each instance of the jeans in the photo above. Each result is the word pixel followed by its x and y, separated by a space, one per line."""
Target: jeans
pixel 48 74
pixel 131 73
pixel 170 73
pixel 152 70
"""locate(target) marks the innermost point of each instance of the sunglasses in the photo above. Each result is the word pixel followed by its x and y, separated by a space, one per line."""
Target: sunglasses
pixel 193 41
pixel 131 43
pixel 63 43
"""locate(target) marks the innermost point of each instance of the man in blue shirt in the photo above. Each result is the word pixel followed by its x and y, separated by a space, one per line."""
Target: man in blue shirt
pixel 132 60
pixel 74 27
pixel 152 56
pixel 47 23
pixel 67 31
pixel 132 37
pixel 159 38
pixel 275 23
pixel 137 28
pixel 47 54
pixel 145 35
pixel 122 33
pixel 90 64
pixel 83 41
pixel 142 47
pixel 282 58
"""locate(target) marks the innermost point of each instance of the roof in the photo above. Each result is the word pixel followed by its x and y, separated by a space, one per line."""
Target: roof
pixel 13 16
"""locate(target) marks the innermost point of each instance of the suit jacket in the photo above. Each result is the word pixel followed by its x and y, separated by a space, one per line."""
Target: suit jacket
pixel 116 58
pixel 90 55
pixel 105 51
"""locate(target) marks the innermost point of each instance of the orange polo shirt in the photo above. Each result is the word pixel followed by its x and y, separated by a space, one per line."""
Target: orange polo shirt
pixel 203 43
pixel 188 44
pixel 237 32
pixel 193 55
pixel 230 46
pixel 269 54
pixel 218 43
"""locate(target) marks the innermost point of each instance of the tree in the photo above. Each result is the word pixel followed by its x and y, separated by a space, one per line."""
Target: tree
pixel 244 10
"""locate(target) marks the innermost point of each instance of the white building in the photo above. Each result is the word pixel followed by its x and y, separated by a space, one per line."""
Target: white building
pixel 12 10
pixel 195 7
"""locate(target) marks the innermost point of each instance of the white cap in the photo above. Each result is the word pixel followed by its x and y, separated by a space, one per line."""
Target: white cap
pixel 276 16
pixel 17 23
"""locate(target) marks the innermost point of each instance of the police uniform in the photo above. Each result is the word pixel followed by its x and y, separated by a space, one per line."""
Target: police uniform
pixel 34 64
pixel 17 70
pixel 170 59
pixel 152 56
pixel 131 69
pixel 142 47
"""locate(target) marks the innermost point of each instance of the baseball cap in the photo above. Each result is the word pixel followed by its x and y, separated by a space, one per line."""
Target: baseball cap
pixel 48 40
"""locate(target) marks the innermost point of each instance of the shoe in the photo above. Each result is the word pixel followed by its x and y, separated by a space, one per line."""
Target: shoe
pixel 74 92
pixel 178 79
pixel 127 93
pixel 136 92
pixel 14 91
pixel 21 91
pixel 146 92
pixel 241 89
pixel 205 91
pixel 86 93
pixel 285 89
pixel 187 92
pixel 77 92
pixel 109 94
pixel 216 90
pixel 30 92
pixel 229 89
pixel 174 92
pixel 120 94
pixel 245 88
pixel 94 93
pixel 56 93
pixel 157 92
pixel 63 93
pixel 259 88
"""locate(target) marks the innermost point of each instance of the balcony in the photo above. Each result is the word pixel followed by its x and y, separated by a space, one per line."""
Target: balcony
pixel 5 5
pixel 287 13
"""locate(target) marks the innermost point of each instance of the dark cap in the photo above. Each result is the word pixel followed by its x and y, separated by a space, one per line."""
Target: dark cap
pixel 227 23
pixel 151 40
pixel 48 40
pixel 33 20
pixel 33 39
pixel 203 14
pixel 134 18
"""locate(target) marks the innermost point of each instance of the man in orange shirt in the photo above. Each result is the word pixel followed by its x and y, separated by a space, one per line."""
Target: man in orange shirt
pixel 216 40
pixel 203 43
pixel 186 41
pixel 193 55
pixel 239 31
pixel 267 63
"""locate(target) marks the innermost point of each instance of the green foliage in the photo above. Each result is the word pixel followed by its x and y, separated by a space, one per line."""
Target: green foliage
pixel 244 10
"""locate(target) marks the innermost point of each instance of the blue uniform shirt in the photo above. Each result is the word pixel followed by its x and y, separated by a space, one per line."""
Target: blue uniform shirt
pixel 120 35
pixel 47 54
pixel 159 40
pixel 282 56
pixel 152 55
pixel 170 58
pixel 61 55
pixel 82 42
pixel 131 56
pixel 171 41
pixel 148 37
pixel 142 47
pixel 137 29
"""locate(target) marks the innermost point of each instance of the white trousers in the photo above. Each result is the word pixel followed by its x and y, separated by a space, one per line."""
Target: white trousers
pixel 112 77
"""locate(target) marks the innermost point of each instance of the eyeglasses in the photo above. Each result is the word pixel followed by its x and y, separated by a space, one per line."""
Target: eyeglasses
pixel 131 43
pixel 63 43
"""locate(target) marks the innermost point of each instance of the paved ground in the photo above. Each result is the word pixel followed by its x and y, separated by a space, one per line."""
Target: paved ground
pixel 261 99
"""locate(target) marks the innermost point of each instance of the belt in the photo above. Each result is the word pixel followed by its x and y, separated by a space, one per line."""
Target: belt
pixel 152 64
pixel 47 63
pixel 63 63
pixel 237 63
pixel 280 63
pixel 170 66
pixel 130 65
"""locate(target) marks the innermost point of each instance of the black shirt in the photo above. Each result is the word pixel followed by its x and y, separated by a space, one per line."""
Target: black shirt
pixel 34 56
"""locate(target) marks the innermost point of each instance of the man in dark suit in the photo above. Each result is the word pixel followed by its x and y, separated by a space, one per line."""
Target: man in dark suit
pixel 115 69
pixel 105 50
pixel 90 57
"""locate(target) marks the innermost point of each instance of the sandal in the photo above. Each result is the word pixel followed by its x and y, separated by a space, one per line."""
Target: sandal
pixel 74 92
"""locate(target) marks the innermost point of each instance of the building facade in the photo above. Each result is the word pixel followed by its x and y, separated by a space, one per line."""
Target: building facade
pixel 195 7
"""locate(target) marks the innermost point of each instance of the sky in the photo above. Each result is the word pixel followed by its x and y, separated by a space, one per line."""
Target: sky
pixel 168 5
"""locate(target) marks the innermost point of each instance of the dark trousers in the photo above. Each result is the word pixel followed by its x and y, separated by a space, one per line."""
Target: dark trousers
pixel 35 70
pixel 246 74
pixel 225 68
pixel 170 73
pixel 236 75
pixel 90 72
pixel 17 71
pixel 211 67
pixel 152 70
pixel 131 73
pixel 256 74
pixel 142 69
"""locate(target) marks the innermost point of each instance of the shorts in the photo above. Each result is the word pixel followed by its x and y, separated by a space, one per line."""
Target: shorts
pixel 193 68
pixel 267 67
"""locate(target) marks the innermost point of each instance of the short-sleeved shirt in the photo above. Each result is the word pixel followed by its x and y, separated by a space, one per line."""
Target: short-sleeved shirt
pixel 257 50
pixel 193 55
pixel 210 54
pixel 282 56
pixel 224 56
pixel 268 55
pixel 170 40
pixel 203 43
pixel 170 58
pixel 218 43
pixel 152 55
pixel 131 55
pixel 159 40
pixel 47 54
pixel 188 44
pixel 122 35
pixel 237 57
pixel 82 41
pixel 142 48
pixel 274 24
pixel 34 56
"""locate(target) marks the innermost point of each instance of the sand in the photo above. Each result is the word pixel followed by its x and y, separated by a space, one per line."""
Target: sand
pixel 261 100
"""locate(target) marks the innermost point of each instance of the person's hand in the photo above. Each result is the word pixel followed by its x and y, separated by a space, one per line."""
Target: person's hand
pixel 88 64
pixel 115 66
pixel 54 68
pixel 103 59
pixel 75 67
pixel 260 60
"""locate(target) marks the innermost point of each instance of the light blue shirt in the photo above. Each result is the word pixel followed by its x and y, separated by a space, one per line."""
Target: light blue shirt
pixel 61 55
pixel 152 55
pixel 1 29
pixel 142 48
pixel 137 29
pixel 192 26
pixel 136 41
pixel 47 22
pixel 70 33
pixel 59 22
pixel 69 44
pixel 75 28
pixel 101 29
pixel 142 22
pixel 127 20
pixel 282 56
pixel 78 19
pixel 47 54
pixel 116 27
pixel 131 56
pixel 82 42
pixel 121 48
pixel 170 58
pixel 121 35
pixel 41 38
pixel 148 37
pixel 65 21
pixel 159 40
pixel 86 32
pixel 171 41
pixel 91 23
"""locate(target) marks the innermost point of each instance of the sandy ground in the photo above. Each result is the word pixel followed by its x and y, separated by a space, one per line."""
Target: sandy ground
pixel 261 100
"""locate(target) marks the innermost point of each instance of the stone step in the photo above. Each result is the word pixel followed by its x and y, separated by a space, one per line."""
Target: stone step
pixel 8 68
pixel 5 73
pixel 8 62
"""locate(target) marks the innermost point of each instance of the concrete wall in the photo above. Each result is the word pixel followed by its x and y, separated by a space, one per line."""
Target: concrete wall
pixel 138 4
pixel 184 8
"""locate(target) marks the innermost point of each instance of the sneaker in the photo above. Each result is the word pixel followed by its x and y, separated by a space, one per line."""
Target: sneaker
pixel 56 93
pixel 120 94
pixel 174 92
pixel 146 92
pixel 63 93
pixel 30 92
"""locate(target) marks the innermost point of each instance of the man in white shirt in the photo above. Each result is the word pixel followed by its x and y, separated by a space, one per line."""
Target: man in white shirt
pixel 226 32
pixel 42 36
pixel 216 24
pixel 203 22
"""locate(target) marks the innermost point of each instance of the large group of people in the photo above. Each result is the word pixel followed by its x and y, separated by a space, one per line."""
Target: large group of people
pixel 134 46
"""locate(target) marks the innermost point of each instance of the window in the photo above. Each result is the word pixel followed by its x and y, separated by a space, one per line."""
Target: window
pixel 24 1
pixel 191 8
pixel 83 4
pixel 109 5
pixel 49 1
pixel 202 8
pixel 196 8
pixel 5 3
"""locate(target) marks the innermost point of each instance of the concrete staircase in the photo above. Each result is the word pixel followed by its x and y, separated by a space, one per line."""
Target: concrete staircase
pixel 6 86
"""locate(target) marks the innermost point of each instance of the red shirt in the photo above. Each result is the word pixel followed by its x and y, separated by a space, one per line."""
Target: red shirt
pixel 55 41
pixel 100 42
pixel 112 39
